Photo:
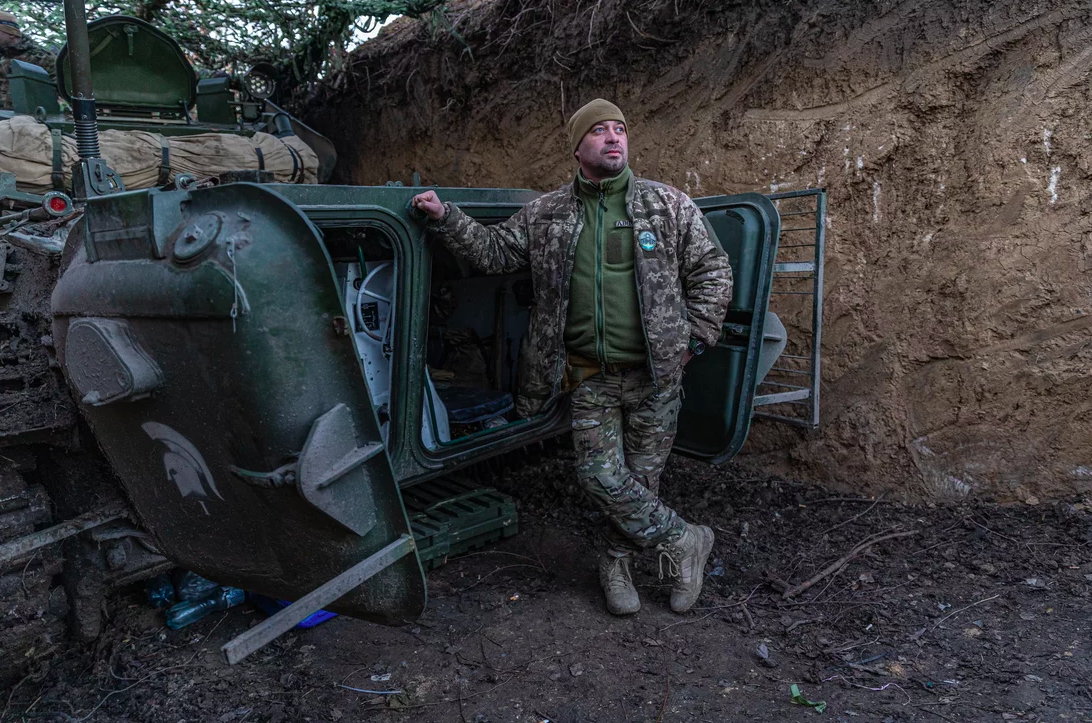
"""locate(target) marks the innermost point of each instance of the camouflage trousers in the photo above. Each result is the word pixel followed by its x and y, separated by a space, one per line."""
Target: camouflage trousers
pixel 623 429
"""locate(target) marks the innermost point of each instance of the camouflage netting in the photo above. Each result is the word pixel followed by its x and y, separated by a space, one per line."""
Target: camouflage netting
pixel 26 149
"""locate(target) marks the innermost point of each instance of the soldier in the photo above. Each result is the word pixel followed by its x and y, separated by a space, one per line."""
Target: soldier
pixel 14 46
pixel 628 288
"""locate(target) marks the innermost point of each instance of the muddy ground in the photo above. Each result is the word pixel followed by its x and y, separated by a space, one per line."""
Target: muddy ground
pixel 982 614
pixel 952 137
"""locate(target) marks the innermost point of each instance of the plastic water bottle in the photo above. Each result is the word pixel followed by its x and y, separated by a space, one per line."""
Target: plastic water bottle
pixel 190 611
pixel 160 591
pixel 191 586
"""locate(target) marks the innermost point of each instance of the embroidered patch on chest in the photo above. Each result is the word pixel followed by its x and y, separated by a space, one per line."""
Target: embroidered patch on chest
pixel 624 223
pixel 647 239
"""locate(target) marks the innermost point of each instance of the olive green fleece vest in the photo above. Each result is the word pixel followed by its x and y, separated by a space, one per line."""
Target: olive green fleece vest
pixel 604 323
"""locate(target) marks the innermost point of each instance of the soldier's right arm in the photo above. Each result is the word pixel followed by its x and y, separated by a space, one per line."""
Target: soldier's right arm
pixel 497 249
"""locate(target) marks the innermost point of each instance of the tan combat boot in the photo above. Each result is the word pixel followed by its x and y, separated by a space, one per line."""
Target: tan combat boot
pixel 686 558
pixel 617 582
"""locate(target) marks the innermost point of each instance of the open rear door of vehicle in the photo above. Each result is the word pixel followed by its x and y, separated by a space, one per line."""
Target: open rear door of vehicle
pixel 203 335
pixel 719 386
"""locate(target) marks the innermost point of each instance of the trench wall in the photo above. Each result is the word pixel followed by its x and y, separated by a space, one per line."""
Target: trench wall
pixel 953 138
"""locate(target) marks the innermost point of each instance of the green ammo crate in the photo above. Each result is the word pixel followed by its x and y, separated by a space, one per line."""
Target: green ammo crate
pixel 433 541
pixel 451 516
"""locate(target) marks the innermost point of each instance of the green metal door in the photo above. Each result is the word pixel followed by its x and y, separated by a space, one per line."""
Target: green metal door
pixel 719 386
pixel 387 209
pixel 202 333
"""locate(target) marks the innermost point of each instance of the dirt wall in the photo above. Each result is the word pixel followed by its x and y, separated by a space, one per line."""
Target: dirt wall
pixel 953 138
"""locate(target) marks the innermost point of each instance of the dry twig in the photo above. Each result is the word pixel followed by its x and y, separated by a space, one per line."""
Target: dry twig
pixel 483 578
pixel 857 516
pixel 112 693
pixel 643 34
pixel 455 700
pixel 691 620
pixel 504 552
pixel 667 692
pixel 885 686
pixel 842 562
pixel 747 614
pixel 823 500
pixel 956 612
pixel 938 715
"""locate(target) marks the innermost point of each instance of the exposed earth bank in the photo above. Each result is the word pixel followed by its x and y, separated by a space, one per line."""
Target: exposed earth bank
pixel 953 139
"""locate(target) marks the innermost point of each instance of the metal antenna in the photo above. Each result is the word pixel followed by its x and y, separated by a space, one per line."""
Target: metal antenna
pixel 90 176
pixel 79 64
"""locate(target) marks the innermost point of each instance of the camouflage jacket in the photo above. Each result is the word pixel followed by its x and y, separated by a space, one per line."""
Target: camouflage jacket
pixel 684 282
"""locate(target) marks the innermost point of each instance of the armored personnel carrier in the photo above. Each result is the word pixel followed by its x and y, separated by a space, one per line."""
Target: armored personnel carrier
pixel 67 535
pixel 286 379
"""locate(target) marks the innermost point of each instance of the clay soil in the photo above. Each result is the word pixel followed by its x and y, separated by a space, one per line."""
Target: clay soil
pixel 981 615
pixel 952 138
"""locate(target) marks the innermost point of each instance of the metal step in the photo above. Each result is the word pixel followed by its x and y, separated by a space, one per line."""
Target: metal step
pixel 451 517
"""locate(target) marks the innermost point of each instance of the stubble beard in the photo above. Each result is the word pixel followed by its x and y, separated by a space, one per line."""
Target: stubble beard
pixel 611 166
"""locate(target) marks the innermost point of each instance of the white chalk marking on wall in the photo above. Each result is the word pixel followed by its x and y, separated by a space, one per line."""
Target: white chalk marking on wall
pixel 957 485
pixel 1053 186
pixel 875 202
pixel 1047 134
pixel 860 162
pixel 922 447
pixel 692 176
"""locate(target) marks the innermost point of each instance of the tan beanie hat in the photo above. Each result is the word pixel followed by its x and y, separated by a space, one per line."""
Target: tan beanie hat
pixel 9 25
pixel 597 111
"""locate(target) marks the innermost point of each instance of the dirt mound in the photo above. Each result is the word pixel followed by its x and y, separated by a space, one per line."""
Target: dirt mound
pixel 952 137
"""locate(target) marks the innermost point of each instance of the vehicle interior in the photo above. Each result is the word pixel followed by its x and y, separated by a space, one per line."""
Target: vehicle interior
pixel 476 323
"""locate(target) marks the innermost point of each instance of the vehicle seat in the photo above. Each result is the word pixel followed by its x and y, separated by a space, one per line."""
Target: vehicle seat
pixel 469 405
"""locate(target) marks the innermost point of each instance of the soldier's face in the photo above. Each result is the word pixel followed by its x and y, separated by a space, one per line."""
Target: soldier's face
pixel 604 152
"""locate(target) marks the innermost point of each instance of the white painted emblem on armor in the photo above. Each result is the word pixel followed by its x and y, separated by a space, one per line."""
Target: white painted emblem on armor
pixel 183 464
